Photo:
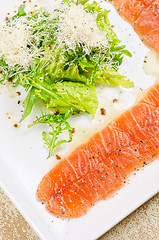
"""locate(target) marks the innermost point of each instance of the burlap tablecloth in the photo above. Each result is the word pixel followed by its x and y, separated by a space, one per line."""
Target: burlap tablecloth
pixel 143 224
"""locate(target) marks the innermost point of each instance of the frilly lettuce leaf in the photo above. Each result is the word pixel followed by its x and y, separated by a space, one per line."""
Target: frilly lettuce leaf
pixel 110 77
pixel 78 94
pixel 102 20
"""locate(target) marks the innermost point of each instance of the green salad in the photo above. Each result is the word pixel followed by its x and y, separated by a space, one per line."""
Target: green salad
pixel 60 58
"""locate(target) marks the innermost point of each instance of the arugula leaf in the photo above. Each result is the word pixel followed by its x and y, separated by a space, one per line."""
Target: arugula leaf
pixel 21 12
pixel 29 103
pixel 58 124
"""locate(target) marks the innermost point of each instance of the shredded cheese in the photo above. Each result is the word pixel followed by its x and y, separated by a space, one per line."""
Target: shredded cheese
pixel 75 25
pixel 78 26
pixel 14 43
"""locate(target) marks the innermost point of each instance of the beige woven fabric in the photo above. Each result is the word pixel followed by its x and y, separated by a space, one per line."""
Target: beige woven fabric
pixel 142 224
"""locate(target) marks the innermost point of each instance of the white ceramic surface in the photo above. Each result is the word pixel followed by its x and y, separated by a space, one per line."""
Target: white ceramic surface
pixel 23 160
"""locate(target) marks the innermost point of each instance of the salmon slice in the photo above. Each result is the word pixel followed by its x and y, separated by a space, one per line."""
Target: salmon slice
pixel 144 17
pixel 131 9
pixel 148 19
pixel 152 39
pixel 98 168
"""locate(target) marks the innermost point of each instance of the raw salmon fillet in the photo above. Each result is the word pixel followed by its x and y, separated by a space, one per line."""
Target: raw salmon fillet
pixel 144 17
pixel 98 168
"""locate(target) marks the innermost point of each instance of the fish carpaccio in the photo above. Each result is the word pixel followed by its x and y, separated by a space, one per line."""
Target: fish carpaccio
pixel 144 17
pixel 98 168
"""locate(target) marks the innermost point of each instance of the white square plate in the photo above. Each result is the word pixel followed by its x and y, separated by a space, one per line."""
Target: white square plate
pixel 23 156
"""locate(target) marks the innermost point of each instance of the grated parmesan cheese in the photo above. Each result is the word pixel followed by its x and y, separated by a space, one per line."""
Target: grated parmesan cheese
pixel 75 26
pixel 14 43
pixel 78 26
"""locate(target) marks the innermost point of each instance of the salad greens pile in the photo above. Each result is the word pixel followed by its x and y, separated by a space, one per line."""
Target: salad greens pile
pixel 64 78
